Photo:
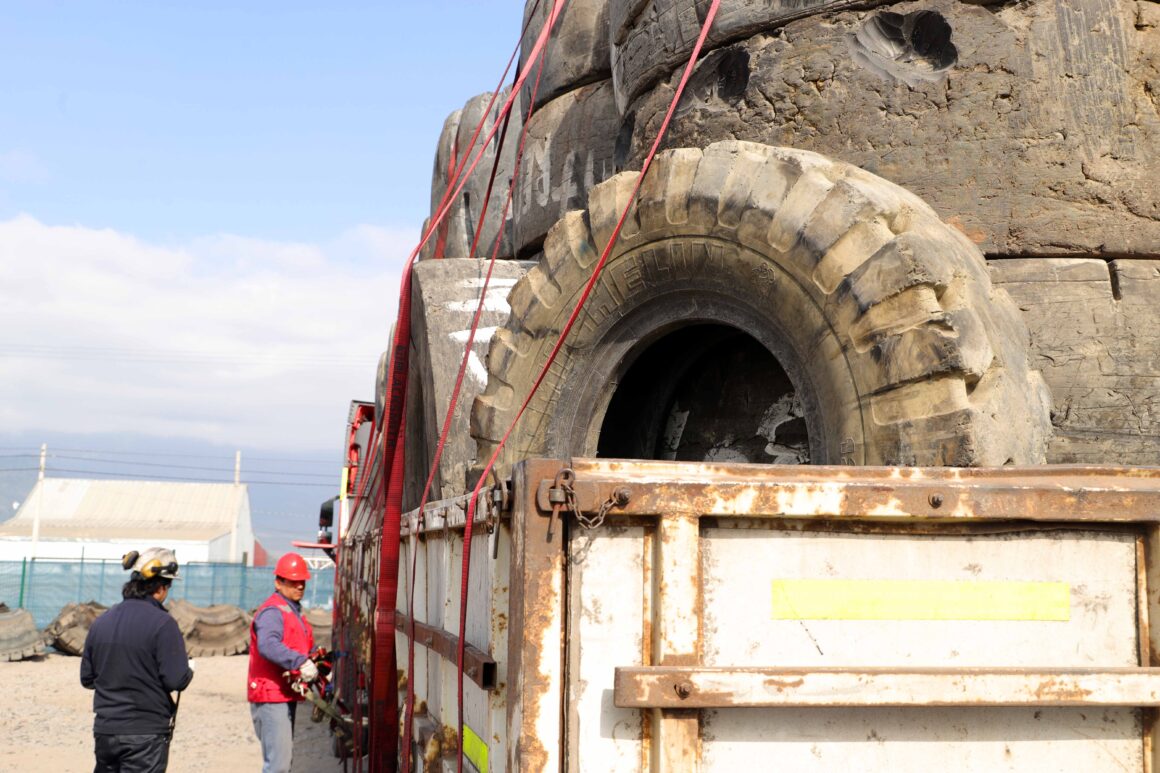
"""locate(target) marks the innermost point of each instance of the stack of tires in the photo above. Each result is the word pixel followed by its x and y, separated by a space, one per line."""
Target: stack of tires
pixel 899 349
pixel 831 179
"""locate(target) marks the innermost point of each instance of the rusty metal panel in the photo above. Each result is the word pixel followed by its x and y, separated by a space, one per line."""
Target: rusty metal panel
pixel 718 542
pixel 437 542
pixel 535 680
pixel 679 588
pixel 1056 493
pixel 706 687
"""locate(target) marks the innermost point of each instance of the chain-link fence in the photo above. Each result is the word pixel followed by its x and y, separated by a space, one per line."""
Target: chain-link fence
pixel 44 586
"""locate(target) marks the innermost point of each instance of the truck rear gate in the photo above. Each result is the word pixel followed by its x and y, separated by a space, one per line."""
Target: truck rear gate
pixel 676 616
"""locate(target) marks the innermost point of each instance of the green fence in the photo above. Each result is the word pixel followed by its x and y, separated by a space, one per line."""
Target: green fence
pixel 44 586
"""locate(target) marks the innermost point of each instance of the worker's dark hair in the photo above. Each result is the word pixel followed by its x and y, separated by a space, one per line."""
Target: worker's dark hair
pixel 143 589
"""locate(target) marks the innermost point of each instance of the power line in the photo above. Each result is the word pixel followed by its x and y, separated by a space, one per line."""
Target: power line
pixel 36 452
pixel 249 481
pixel 193 467
pixel 125 353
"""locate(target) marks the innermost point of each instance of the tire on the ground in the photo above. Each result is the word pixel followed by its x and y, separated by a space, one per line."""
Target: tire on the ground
pixel 219 629
pixel 651 38
pixel 19 636
pixel 576 52
pixel 883 317
pixel 569 147
pixel 69 628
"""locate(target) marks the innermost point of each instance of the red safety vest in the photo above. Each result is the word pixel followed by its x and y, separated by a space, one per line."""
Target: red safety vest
pixel 264 683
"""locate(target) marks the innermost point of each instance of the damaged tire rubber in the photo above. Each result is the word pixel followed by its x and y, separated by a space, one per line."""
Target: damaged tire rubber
pixel 883 317
pixel 19 637
pixel 221 629
pixel 68 630
pixel 651 38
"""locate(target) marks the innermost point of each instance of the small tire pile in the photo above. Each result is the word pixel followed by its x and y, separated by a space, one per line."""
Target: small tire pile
pixel 68 629
pixel 221 629
pixel 19 637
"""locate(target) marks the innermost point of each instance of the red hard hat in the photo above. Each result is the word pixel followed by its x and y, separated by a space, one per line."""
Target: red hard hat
pixel 292 567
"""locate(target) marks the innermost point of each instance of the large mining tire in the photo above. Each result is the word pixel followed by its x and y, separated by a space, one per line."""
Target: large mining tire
pixel 454 236
pixel 444 297
pixel 577 50
pixel 882 316
pixel 19 637
pixel 1029 144
pixel 69 628
pixel 650 38
pixel 570 146
pixel 450 237
pixel 220 629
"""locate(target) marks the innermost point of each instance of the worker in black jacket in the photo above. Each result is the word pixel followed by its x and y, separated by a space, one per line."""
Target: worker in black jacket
pixel 134 657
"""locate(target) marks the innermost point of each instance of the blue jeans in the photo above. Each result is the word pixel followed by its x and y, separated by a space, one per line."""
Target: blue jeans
pixel 274 726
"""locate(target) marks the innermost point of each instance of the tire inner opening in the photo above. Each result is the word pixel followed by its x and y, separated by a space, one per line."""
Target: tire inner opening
pixel 708 393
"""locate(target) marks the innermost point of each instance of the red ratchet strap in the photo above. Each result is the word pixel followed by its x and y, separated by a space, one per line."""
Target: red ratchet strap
pixel 409 706
pixel 471 503
pixel 384 688
pixel 474 329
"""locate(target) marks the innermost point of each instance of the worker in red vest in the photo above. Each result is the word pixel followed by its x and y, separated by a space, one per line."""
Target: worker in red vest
pixel 280 640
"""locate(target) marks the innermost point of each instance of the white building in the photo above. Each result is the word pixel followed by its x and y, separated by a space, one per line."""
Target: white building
pixel 104 519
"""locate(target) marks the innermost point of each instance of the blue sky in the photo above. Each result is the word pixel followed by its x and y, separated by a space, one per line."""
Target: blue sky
pixel 204 211
pixel 288 121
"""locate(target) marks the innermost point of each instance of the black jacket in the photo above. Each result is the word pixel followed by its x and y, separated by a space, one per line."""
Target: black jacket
pixel 134 657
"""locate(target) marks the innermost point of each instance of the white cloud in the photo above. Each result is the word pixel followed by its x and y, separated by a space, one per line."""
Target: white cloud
pixel 227 339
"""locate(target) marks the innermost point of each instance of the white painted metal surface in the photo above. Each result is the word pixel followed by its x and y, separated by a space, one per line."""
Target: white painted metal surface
pixel 809 684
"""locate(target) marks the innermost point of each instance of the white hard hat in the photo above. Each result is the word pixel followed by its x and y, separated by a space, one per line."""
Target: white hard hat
pixel 154 562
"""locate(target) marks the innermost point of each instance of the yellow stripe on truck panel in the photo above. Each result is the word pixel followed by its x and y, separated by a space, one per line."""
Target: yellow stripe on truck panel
pixel 474 749
pixel 830 599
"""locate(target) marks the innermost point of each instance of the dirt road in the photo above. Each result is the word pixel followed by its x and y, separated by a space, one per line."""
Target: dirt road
pixel 46 721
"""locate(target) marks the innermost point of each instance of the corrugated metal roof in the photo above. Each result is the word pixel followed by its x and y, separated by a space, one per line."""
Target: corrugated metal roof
pixel 71 508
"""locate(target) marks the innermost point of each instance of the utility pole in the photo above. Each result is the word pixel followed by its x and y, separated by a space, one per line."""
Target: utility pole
pixel 234 530
pixel 39 500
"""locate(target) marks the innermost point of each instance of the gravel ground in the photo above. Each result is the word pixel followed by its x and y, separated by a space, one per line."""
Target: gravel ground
pixel 46 721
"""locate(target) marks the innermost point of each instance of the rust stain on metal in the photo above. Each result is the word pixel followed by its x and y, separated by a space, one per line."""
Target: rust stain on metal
pixel 781 685
pixel 1060 691
pixel 537 601
pixel 1059 492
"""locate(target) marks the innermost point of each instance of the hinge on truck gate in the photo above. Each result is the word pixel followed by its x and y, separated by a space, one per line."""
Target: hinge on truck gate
pixel 562 495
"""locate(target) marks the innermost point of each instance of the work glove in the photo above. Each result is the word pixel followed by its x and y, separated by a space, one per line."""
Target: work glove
pixel 308 670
